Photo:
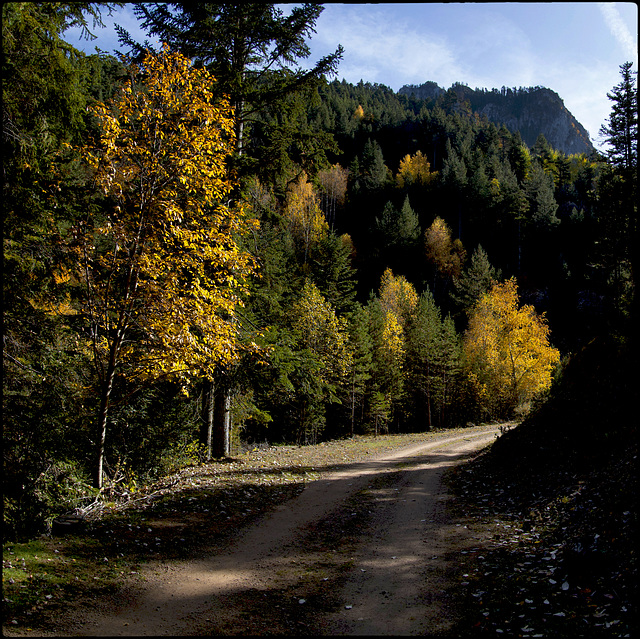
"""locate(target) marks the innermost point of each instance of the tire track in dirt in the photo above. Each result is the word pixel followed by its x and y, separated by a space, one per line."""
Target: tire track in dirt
pixel 400 583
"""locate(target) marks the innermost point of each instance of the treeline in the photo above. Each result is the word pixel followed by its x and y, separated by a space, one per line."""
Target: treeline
pixel 235 250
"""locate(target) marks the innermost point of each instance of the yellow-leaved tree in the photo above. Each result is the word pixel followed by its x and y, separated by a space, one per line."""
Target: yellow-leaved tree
pixel 163 269
pixel 397 302
pixel 333 188
pixel 323 362
pixel 415 170
pixel 445 254
pixel 507 351
pixel 306 221
pixel 397 295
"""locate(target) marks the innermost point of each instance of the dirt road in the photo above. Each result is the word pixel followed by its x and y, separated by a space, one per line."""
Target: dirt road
pixel 365 550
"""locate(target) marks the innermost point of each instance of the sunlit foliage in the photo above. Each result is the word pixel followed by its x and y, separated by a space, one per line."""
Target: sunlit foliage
pixel 305 219
pixel 415 169
pixel 507 350
pixel 446 254
pixel 163 272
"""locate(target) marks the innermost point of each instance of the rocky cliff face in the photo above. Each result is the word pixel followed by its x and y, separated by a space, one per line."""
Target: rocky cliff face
pixel 530 111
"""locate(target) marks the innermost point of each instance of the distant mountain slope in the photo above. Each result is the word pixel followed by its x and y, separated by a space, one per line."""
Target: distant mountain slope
pixel 530 111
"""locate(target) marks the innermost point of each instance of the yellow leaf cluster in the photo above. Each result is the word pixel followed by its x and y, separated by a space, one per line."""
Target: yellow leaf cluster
pixel 171 240
pixel 507 346
pixel 323 332
pixel 393 336
pixel 415 169
pixel 63 307
pixel 398 300
pixel 446 254
pixel 397 296
pixel 306 221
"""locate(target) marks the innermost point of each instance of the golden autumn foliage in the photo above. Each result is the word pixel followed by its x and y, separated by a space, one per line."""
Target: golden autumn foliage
pixel 323 332
pixel 397 296
pixel 164 272
pixel 415 169
pixel 305 219
pixel 507 349
pixel 446 254
pixel 398 300
pixel 393 338
pixel 166 259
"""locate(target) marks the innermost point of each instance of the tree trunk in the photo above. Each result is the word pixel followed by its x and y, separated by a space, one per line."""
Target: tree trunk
pixel 221 423
pixel 102 434
pixel 353 406
pixel 206 417
pixel 444 398
pixel 103 414
pixel 239 108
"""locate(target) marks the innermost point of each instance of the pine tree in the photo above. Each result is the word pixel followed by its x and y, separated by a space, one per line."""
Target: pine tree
pixel 250 48
pixel 408 227
pixel 386 223
pixel 621 132
pixel 474 281
pixel 619 191
pixel 331 269
pixel 423 336
pixel 542 203
pixel 449 350
pixel 373 171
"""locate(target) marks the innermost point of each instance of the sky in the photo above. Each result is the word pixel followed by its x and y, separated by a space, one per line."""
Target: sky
pixel 573 48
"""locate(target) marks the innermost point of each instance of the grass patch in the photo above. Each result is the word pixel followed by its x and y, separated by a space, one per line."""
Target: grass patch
pixel 41 575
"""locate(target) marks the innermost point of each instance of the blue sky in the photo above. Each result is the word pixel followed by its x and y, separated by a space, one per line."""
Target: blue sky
pixel 574 48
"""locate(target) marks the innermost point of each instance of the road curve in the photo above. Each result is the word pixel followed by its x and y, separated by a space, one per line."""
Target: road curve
pixel 396 575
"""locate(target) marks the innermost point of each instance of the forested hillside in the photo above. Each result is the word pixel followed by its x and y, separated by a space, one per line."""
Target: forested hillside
pixel 207 245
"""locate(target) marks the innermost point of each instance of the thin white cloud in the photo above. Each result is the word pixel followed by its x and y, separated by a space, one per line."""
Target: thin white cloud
pixel 377 49
pixel 496 51
pixel 619 30
pixel 491 51
pixel 583 89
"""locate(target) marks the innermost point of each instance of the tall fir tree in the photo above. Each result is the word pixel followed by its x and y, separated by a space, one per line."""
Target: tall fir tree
pixel 621 131
pixel 620 188
pixel 249 48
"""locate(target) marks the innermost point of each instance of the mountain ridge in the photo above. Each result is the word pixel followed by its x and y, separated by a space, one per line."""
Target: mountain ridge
pixel 531 111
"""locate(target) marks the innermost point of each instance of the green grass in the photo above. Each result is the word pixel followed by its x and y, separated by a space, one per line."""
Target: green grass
pixel 40 575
